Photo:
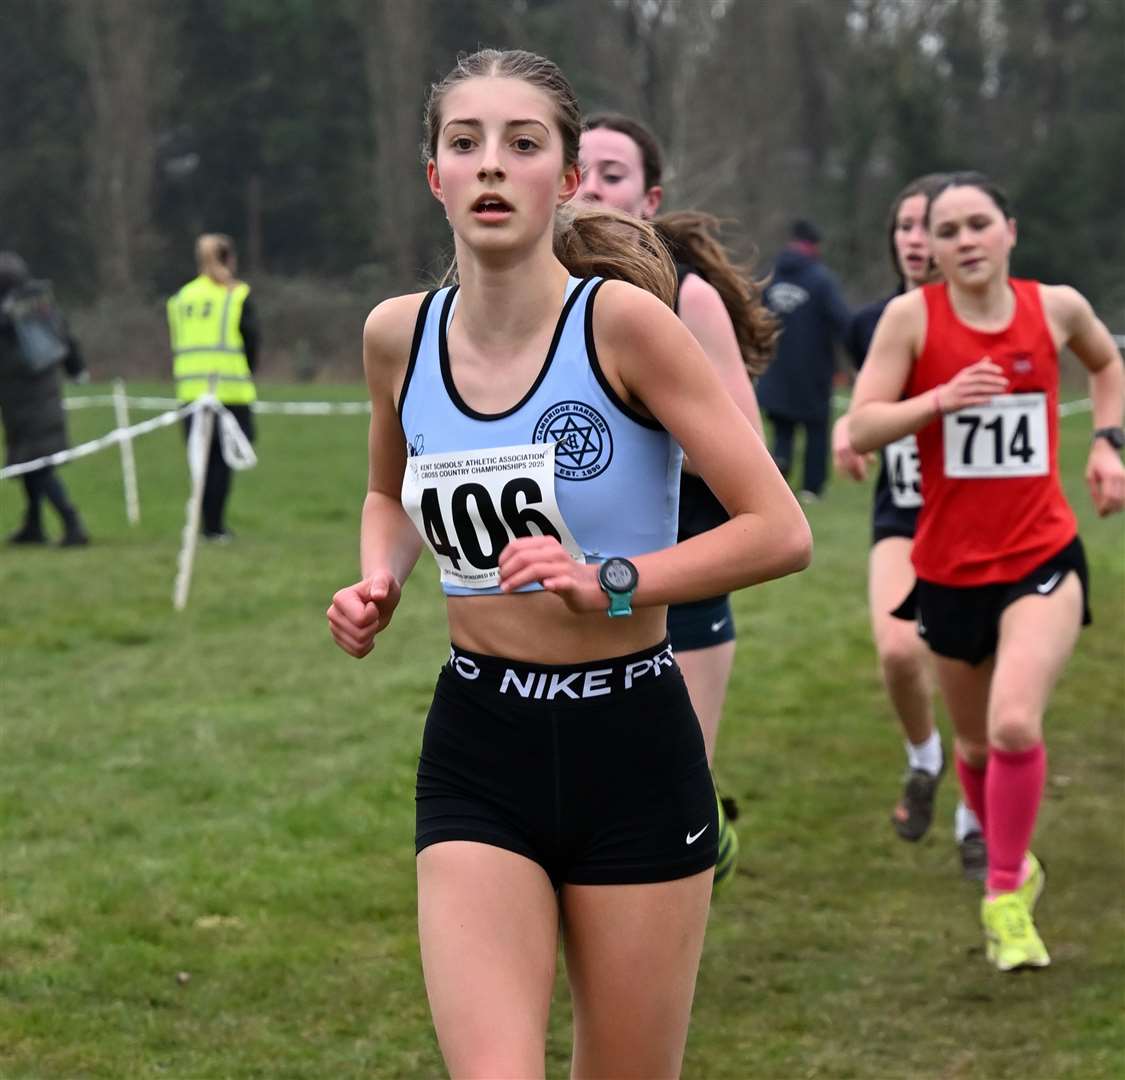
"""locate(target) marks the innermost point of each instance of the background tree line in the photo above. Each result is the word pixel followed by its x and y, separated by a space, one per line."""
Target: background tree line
pixel 129 126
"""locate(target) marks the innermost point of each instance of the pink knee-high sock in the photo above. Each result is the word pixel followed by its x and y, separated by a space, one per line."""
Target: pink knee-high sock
pixel 972 786
pixel 1013 792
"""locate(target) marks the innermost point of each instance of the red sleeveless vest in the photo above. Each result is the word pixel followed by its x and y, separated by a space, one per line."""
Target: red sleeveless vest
pixel 993 507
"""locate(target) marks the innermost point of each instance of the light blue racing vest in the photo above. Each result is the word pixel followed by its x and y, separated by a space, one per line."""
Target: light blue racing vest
pixel 475 481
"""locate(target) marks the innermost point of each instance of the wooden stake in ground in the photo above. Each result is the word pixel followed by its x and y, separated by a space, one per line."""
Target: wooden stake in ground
pixel 198 449
pixel 128 463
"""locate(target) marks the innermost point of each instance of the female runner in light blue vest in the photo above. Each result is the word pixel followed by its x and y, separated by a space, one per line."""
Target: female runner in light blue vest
pixel 526 427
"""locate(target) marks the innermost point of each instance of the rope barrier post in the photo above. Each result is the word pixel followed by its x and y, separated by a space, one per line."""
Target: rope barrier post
pixel 128 463
pixel 198 451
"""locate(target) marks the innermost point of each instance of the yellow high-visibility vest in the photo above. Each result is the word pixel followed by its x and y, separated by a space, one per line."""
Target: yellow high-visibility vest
pixel 203 320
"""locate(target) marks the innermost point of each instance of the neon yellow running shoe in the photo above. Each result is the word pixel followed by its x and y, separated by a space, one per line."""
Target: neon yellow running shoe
pixel 1011 937
pixel 728 850
pixel 1030 891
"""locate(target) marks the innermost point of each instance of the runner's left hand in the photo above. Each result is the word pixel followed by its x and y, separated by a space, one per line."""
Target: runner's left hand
pixel 543 559
pixel 1105 476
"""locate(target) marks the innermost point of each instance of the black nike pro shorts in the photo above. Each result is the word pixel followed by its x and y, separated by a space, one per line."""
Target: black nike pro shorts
pixel 596 771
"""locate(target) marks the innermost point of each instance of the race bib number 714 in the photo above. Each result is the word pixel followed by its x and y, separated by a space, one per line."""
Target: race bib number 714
pixel 470 504
pixel 1006 437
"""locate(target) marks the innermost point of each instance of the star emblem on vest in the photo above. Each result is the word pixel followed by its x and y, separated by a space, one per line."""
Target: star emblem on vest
pixel 575 442
pixel 583 442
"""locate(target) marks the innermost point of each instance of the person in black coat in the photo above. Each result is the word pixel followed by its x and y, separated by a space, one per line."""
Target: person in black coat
pixel 31 411
pixel 797 386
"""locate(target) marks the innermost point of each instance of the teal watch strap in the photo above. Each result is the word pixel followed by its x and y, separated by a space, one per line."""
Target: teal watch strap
pixel 620 603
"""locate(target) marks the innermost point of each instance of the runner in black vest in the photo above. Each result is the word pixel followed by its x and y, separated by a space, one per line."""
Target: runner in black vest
pixel 720 303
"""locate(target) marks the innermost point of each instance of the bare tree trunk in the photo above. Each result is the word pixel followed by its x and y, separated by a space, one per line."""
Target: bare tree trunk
pixel 395 54
pixel 254 224
pixel 753 94
pixel 815 104
pixel 118 42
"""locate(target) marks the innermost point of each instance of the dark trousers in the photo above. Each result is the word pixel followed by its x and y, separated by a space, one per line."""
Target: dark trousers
pixel 216 488
pixel 816 449
pixel 45 484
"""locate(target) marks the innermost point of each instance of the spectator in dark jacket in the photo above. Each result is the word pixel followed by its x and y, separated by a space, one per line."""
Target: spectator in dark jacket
pixel 797 386
pixel 31 411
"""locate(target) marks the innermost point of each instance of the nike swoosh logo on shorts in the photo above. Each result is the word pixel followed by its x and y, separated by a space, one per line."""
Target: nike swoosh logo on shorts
pixel 691 838
pixel 717 626
pixel 1049 584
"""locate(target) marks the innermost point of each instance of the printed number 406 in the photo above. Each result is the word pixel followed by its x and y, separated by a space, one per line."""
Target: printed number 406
pixel 512 520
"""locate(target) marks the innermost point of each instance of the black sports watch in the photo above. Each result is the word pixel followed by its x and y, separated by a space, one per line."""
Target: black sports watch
pixel 618 578
pixel 1115 436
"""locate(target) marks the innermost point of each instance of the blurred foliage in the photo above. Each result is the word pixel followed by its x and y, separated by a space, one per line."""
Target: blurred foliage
pixel 294 125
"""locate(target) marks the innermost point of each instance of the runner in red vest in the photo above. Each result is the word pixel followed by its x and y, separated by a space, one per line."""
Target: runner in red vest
pixel 971 366
pixel 904 660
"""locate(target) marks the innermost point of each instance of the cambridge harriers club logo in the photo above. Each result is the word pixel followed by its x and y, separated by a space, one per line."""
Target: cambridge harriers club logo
pixel 583 442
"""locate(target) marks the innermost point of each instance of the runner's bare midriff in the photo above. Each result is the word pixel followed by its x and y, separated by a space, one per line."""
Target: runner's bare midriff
pixel 538 626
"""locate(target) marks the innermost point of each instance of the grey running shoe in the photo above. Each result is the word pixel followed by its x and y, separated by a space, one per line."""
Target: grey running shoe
pixel 915 810
pixel 974 856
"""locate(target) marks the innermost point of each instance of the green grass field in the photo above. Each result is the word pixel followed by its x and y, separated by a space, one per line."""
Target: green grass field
pixel 206 818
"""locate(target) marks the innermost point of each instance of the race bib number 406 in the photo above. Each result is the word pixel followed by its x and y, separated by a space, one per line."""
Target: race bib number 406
pixel 1005 438
pixel 468 505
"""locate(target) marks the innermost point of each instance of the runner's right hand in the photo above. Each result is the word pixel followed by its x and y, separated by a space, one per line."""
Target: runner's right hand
pixel 360 611
pixel 977 384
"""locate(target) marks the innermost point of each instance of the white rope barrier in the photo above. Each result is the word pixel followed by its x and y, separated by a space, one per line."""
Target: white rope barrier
pixel 89 401
pixel 92 447
pixel 281 408
pixel 355 408
pixel 312 408
pixel 288 408
pixel 234 446
pixel 1069 408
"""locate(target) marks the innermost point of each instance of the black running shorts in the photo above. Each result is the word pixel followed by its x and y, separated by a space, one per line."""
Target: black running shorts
pixel 887 519
pixel 964 623
pixel 700 624
pixel 596 771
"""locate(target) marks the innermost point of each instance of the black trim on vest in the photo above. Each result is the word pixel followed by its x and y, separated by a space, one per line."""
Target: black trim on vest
pixel 415 344
pixel 596 367
pixel 447 374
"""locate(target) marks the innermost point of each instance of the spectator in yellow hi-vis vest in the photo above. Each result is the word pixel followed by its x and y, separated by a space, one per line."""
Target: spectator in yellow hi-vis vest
pixel 214 334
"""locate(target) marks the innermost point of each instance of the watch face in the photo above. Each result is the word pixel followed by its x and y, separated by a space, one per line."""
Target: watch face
pixel 619 575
